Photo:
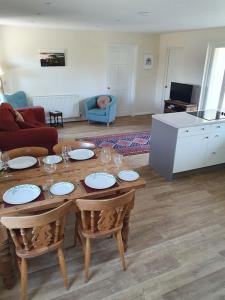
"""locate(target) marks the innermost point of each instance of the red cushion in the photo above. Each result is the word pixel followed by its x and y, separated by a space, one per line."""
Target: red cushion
pixel 7 118
pixel 28 116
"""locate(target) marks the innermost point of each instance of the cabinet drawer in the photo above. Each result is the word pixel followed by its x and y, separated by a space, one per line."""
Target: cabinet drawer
pixel 188 131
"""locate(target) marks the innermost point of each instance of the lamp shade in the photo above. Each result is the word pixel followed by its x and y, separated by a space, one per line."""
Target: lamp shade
pixel 1 71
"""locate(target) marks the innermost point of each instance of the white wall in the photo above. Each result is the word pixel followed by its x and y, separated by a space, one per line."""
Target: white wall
pixel 195 45
pixel 85 71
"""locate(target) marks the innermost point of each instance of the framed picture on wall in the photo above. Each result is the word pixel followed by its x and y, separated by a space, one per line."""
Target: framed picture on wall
pixel 52 57
pixel 148 61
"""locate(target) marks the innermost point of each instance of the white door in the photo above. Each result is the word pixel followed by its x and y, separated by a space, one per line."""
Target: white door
pixel 120 75
pixel 173 69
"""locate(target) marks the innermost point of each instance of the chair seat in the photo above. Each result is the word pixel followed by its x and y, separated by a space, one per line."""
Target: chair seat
pixel 97 111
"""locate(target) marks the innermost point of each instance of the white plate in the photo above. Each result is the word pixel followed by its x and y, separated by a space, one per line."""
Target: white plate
pixel 128 175
pixel 81 154
pixel 100 180
pixel 52 159
pixel 22 162
pixel 61 188
pixel 21 194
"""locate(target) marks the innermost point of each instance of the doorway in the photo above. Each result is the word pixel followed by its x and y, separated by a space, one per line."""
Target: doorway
pixel 121 76
pixel 213 86
pixel 173 67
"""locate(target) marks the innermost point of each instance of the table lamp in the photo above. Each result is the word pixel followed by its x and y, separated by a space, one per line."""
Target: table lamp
pixel 1 80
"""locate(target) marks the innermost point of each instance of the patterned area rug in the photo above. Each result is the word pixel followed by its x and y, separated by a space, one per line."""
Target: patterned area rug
pixel 125 143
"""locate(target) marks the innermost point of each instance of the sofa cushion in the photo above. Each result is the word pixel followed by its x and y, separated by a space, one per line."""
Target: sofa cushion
pixel 17 100
pixel 7 118
pixel 102 101
pixel 97 111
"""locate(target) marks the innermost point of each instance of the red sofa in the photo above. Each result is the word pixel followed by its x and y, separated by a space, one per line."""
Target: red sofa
pixel 32 132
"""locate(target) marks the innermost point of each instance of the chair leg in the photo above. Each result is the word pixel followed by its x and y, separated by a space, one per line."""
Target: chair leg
pixel 62 265
pixel 19 263
pixel 23 272
pixel 87 258
pixel 76 231
pixel 121 248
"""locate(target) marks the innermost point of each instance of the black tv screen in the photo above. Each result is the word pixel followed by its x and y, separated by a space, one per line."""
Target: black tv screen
pixel 181 91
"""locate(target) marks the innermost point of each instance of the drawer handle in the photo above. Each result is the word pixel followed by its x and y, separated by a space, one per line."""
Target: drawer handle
pixel 206 137
pixel 214 153
pixel 216 135
pixel 202 128
pixel 186 130
pixel 217 126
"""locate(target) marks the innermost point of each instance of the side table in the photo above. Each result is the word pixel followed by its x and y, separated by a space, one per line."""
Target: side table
pixel 56 115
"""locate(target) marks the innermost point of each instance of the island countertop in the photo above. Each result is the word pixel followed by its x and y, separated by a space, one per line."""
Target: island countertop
pixel 183 120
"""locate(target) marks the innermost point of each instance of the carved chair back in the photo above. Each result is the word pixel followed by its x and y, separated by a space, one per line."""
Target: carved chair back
pixel 33 235
pixel 105 216
pixel 74 145
pixel 27 151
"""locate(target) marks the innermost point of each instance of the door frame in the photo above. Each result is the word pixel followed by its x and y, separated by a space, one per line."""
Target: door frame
pixel 166 68
pixel 132 88
pixel 207 71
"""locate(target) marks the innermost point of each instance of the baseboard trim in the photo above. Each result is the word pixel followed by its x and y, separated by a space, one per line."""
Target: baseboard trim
pixel 143 113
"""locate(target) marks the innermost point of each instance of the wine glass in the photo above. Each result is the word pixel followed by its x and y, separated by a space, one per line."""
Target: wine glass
pixel 46 188
pixel 5 158
pixel 118 159
pixel 49 166
pixel 65 154
pixel 105 156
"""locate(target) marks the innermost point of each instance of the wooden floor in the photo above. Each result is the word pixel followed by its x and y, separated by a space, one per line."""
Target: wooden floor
pixel 177 240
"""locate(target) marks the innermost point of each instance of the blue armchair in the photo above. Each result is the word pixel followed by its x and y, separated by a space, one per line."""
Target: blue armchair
pixel 17 100
pixel 93 113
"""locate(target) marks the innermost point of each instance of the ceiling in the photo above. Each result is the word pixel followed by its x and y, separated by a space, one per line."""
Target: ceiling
pixel 116 15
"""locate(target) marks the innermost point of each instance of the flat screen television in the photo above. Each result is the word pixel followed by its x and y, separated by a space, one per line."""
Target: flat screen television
pixel 181 91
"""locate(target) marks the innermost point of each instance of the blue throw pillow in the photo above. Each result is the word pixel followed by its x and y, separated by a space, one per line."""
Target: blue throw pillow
pixel 17 100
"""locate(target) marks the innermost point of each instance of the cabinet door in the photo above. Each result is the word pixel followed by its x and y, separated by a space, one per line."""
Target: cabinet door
pixel 216 148
pixel 191 153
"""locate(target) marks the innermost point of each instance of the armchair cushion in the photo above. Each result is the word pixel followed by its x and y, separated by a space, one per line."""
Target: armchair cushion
pixel 97 111
pixel 17 100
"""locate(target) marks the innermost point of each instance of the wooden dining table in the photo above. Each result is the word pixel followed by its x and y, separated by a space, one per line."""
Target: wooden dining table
pixel 75 172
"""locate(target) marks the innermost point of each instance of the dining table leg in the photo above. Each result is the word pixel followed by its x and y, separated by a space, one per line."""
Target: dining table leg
pixel 6 266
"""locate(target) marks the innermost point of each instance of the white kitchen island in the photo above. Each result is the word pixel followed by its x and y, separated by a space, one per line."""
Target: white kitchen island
pixel 182 142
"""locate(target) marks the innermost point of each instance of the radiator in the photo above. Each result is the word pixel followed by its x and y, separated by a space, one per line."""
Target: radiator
pixel 67 104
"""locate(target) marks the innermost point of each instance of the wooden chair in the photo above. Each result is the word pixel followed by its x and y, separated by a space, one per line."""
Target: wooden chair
pixel 30 151
pixel 36 235
pixel 74 145
pixel 100 218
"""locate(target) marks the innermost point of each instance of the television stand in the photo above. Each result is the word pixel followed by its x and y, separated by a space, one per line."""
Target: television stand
pixel 176 106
